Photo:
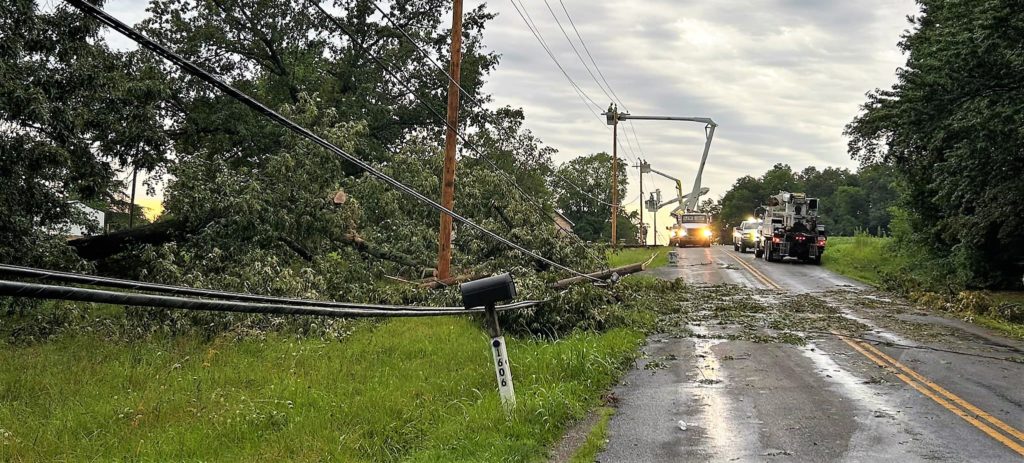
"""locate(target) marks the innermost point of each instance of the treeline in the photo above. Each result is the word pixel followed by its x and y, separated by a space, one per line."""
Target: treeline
pixel 850 202
pixel 950 129
pixel 248 205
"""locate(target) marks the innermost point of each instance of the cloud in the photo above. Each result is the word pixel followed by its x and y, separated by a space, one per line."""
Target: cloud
pixel 781 77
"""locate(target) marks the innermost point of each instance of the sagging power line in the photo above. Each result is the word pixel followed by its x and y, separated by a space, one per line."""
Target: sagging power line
pixel 107 282
pixel 542 211
pixel 465 93
pixel 71 293
pixel 192 69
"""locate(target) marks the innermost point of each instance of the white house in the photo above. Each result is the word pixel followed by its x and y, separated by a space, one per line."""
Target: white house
pixel 97 217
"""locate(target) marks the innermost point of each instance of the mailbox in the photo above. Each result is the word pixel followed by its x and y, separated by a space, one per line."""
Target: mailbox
pixel 488 291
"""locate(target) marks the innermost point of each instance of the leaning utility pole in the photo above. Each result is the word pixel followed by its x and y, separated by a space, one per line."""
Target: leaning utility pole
pixel 444 238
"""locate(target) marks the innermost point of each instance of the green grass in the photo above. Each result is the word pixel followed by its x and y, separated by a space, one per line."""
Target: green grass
pixel 1014 330
pixel 869 259
pixel 597 438
pixel 626 256
pixel 404 390
pixel 863 258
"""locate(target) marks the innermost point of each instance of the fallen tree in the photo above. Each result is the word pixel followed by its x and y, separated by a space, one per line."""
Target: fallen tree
pixel 100 247
pixel 604 274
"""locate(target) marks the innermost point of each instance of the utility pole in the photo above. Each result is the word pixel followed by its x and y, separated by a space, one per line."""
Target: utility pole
pixel 643 230
pixel 640 176
pixel 131 207
pixel 657 195
pixel 444 238
pixel 612 116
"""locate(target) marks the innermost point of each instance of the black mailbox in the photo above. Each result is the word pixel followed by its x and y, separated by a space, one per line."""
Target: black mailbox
pixel 488 291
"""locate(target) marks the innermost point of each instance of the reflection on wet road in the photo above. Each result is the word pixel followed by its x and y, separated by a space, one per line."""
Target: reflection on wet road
pixel 724 396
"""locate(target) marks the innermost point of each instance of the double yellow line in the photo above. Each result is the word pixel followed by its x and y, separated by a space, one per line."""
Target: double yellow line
pixel 1010 436
pixel 990 425
pixel 757 273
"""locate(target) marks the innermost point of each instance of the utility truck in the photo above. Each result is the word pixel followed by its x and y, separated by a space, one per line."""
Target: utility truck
pixel 790 228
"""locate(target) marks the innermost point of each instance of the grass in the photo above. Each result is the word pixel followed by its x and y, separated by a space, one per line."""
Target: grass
pixel 1014 330
pixel 869 259
pixel 862 257
pixel 597 438
pixel 403 390
pixel 626 256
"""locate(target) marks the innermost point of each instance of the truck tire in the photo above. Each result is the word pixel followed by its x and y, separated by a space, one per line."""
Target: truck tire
pixel 816 260
pixel 758 252
pixel 767 252
pixel 735 247
pixel 742 249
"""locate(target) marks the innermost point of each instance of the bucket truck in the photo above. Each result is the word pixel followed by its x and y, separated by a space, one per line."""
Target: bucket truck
pixel 692 228
pixel 790 229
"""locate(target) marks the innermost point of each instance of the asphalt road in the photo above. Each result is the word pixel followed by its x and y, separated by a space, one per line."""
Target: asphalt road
pixel 833 399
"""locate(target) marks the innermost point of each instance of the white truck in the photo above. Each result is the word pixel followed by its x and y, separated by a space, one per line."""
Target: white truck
pixel 790 228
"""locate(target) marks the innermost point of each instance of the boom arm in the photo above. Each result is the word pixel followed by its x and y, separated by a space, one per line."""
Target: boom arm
pixel 709 134
pixel 691 202
pixel 645 168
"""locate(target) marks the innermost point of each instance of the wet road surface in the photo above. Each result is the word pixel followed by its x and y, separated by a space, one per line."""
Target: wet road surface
pixel 833 399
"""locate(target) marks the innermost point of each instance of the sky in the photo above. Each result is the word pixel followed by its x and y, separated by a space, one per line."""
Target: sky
pixel 780 77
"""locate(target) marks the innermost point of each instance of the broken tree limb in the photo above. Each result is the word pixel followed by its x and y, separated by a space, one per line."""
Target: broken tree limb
pixel 604 274
pixel 438 284
pixel 100 247
pixel 354 241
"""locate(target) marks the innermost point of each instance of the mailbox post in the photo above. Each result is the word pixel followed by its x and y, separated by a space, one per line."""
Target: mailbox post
pixel 487 292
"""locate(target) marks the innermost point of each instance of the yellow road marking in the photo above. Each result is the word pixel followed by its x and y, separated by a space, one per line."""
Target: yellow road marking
pixel 961 402
pixel 899 369
pixel 757 273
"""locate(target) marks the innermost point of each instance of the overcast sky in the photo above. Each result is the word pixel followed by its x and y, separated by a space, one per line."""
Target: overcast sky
pixel 780 77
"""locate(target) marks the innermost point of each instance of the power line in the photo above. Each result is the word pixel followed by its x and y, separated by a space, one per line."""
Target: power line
pixel 92 280
pixel 525 15
pixel 71 293
pixel 587 50
pixel 578 55
pixel 468 144
pixel 245 99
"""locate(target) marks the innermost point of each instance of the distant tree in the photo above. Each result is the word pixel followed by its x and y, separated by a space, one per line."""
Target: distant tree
pixel 951 128
pixel 582 189
pixel 849 201
pixel 72 113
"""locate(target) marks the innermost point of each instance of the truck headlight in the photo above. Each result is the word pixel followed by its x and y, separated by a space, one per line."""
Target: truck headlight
pixel 707 232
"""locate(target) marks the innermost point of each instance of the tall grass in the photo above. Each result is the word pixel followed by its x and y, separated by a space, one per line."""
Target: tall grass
pixel 626 256
pixel 863 257
pixel 409 390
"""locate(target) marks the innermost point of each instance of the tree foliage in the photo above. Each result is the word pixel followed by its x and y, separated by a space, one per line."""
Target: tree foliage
pixel 951 127
pixel 583 195
pixel 72 113
pixel 849 201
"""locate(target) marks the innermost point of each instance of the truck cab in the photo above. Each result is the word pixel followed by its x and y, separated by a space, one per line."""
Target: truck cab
pixel 745 236
pixel 691 229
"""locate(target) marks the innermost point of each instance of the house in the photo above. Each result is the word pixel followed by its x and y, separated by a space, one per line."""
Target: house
pixel 562 222
pixel 96 216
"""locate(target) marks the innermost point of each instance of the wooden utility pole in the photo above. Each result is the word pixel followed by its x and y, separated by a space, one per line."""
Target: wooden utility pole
pixel 640 178
pixel 131 207
pixel 613 120
pixel 444 238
